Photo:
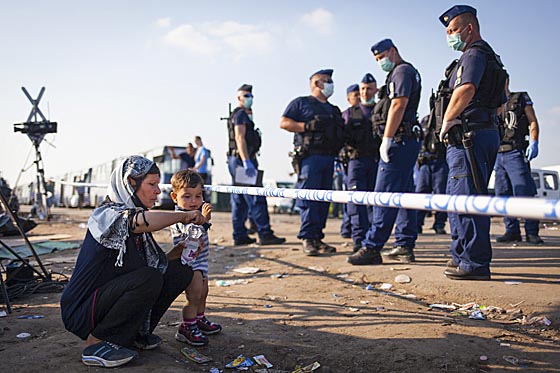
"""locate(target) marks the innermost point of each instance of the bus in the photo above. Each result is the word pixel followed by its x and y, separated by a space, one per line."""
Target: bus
pixel 98 177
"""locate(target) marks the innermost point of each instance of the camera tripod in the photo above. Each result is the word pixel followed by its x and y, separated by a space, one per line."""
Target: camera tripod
pixel 45 275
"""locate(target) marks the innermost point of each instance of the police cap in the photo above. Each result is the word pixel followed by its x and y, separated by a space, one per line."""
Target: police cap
pixel 381 46
pixel 246 88
pixel 328 72
pixel 454 11
pixel 368 78
pixel 353 88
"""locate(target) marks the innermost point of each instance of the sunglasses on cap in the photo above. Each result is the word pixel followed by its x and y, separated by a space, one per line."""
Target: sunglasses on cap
pixel 247 95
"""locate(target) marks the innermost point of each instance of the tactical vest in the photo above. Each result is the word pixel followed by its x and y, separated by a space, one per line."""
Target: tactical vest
pixel 490 93
pixel 331 139
pixel 361 140
pixel 514 128
pixel 380 112
pixel 252 137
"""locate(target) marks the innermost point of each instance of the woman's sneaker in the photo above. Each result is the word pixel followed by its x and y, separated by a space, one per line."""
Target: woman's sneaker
pixel 208 327
pixel 191 335
pixel 147 342
pixel 107 354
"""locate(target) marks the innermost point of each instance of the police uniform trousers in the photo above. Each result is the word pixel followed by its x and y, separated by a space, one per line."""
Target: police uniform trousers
pixel 244 205
pixel 432 178
pixel 362 173
pixel 470 234
pixel 316 173
pixel 395 176
pixel 513 178
pixel 346 225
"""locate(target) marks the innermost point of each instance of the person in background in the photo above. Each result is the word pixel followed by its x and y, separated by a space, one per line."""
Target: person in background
pixel 186 157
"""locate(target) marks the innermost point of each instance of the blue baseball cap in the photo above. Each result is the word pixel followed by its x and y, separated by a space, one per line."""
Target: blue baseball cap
pixel 353 88
pixel 454 11
pixel 368 78
pixel 328 72
pixel 381 46
pixel 246 87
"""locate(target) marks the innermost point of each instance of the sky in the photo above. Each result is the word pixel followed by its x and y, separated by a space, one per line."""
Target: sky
pixel 131 75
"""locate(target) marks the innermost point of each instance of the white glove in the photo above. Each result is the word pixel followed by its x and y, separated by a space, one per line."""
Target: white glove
pixel 384 148
pixel 446 126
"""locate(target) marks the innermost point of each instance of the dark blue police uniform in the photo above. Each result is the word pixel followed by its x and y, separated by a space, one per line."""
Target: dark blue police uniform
pixel 470 248
pixel 362 167
pixel 397 175
pixel 513 172
pixel 244 205
pixel 316 169
pixel 432 173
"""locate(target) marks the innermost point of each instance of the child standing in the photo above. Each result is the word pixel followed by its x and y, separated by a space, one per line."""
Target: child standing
pixel 187 194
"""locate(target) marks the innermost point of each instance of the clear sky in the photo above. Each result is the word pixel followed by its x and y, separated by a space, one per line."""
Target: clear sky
pixel 130 75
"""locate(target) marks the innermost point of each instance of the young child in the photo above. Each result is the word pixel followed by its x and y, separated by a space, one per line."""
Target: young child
pixel 187 194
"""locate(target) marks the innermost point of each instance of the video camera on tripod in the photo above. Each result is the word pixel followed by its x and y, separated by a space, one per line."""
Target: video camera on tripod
pixel 36 128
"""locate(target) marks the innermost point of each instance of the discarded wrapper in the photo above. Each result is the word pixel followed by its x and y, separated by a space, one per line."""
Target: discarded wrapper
pixel 23 335
pixel 308 368
pixel 31 317
pixel 477 315
pixel 241 362
pixel 247 270
pixel 3 314
pixel 261 360
pixel 386 286
pixel 443 306
pixel 194 355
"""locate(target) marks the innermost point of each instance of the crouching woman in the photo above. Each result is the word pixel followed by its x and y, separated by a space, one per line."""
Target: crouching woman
pixel 123 282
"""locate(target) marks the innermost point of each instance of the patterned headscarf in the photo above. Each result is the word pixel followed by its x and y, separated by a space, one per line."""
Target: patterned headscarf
pixel 110 224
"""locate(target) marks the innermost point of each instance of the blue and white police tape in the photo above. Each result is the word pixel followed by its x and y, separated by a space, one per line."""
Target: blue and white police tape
pixel 531 208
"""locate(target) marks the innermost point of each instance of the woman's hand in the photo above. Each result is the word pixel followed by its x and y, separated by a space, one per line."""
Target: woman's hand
pixel 194 217
pixel 207 211
pixel 177 250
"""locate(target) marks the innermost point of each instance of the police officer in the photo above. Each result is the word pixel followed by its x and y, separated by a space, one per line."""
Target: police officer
pixel 512 169
pixel 244 144
pixel 432 172
pixel 318 136
pixel 476 83
pixel 353 98
pixel 395 119
pixel 363 152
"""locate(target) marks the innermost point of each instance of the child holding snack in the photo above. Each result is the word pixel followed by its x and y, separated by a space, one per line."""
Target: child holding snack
pixel 187 194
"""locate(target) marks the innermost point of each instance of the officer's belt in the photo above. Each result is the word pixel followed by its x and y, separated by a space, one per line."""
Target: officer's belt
pixel 320 152
pixel 455 134
pixel 509 147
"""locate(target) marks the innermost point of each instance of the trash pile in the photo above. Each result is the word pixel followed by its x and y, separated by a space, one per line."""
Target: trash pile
pixel 243 363
pixel 477 312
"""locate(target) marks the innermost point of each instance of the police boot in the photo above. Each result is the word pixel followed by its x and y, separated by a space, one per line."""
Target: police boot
pixel 365 256
pixel 509 237
pixel 310 248
pixel 457 273
pixel 401 253
pixel 534 239
pixel 324 247
pixel 439 230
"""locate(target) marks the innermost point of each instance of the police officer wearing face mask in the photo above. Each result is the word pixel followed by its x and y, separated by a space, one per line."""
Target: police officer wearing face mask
pixel 353 98
pixel 318 136
pixel 363 152
pixel 469 125
pixel 244 145
pixel 519 145
pixel 432 172
pixel 395 120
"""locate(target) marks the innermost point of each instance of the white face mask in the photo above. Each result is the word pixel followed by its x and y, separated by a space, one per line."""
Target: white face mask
pixel 328 90
pixel 367 102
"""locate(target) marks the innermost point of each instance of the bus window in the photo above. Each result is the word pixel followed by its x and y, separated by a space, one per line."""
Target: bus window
pixel 550 181
pixel 537 179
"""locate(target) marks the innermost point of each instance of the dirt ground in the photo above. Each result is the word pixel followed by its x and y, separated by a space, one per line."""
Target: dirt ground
pixel 297 309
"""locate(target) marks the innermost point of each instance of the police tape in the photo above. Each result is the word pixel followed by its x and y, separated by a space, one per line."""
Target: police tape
pixel 521 207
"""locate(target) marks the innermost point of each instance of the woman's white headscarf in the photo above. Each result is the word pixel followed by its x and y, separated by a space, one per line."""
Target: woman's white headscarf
pixel 110 224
